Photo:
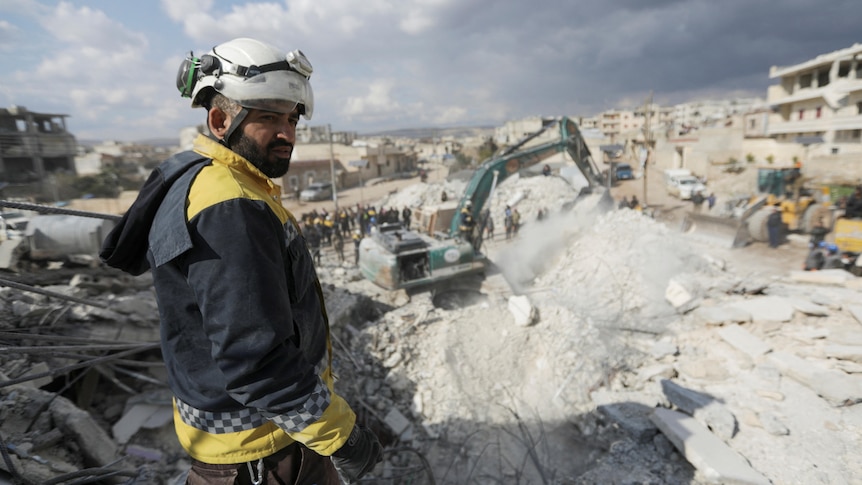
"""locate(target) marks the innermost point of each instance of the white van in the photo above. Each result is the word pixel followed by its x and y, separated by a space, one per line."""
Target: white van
pixel 685 186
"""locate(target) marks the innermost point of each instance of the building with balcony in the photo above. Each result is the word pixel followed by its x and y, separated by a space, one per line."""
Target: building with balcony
pixel 33 145
pixel 821 97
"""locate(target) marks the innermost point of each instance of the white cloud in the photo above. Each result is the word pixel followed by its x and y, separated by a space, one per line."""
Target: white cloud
pixel 180 10
pixel 376 101
pixel 88 27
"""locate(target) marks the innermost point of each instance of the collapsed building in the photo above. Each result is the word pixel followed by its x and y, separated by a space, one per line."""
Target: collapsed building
pixel 32 145
pixel 603 349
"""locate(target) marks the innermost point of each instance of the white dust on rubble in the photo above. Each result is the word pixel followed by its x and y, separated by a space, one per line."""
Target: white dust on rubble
pixel 597 279
pixel 423 194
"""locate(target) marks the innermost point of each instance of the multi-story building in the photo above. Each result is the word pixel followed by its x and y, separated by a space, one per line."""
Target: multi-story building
pixel 820 98
pixel 311 162
pixel 33 145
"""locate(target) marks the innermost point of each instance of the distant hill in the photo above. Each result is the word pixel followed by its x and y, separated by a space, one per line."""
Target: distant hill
pixel 455 131
pixel 156 142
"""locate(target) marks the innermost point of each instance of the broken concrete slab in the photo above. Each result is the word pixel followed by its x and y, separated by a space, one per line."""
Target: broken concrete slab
pixel 633 418
pixel 742 340
pixel 663 348
pixel 822 277
pixel 97 447
pixel 856 311
pixel 809 308
pixel 707 369
pixel 397 422
pixel 712 457
pixel 703 407
pixel 837 388
pixel 766 308
pixel 139 416
pixel 36 369
pixel 852 353
pixel 722 314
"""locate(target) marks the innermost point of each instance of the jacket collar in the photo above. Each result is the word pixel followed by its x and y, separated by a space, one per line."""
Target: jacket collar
pixel 211 148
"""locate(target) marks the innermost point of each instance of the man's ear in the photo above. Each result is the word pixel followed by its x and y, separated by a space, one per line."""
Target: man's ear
pixel 218 122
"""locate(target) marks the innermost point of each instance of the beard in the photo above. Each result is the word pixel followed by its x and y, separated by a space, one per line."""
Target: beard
pixel 271 165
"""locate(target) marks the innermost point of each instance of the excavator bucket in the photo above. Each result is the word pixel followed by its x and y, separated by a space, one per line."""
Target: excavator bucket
pixel 722 231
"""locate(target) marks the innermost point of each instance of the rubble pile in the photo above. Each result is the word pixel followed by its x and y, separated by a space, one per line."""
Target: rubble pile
pixel 616 350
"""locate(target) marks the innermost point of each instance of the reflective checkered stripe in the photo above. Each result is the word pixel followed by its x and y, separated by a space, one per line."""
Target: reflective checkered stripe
pixel 248 418
pixel 220 423
pixel 311 411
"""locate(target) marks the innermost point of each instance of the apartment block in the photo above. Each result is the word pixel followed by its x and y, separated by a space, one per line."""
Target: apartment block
pixel 821 97
pixel 33 145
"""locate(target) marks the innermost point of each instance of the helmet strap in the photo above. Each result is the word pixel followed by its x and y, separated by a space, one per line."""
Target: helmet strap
pixel 234 124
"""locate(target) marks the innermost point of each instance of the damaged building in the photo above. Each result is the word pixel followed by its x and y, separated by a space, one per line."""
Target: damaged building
pixel 33 145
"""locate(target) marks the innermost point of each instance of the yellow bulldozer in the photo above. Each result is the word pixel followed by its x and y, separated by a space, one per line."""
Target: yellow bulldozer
pixel 802 204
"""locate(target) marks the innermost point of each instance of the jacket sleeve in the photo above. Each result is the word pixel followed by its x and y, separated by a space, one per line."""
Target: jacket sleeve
pixel 258 295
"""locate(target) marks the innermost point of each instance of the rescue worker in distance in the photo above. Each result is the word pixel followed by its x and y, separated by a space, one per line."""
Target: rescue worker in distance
pixel 244 331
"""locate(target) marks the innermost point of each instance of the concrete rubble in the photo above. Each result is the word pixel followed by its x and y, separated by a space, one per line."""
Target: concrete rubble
pixel 620 351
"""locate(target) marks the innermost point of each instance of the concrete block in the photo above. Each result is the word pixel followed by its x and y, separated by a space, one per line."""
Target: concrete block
pixel 676 294
pixel 712 457
pixel 837 388
pixel 703 407
pixel 742 340
pixel 722 314
pixel 768 308
pixel 97 448
pixel 524 312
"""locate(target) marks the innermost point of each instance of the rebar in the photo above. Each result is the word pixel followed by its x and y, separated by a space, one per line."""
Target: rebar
pixel 46 209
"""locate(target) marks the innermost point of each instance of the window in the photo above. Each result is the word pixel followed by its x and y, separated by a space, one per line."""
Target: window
pixel 805 81
pixel 859 108
pixel 801 113
pixel 819 108
pixel 823 78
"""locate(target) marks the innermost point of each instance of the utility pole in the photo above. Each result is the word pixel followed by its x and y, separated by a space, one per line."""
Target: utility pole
pixel 332 171
pixel 647 143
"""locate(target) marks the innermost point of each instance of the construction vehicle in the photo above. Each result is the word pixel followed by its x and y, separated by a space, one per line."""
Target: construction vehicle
pixel 847 234
pixel 396 258
pixel 800 202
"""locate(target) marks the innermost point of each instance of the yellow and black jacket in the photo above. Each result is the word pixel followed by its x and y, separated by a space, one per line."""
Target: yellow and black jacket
pixel 244 330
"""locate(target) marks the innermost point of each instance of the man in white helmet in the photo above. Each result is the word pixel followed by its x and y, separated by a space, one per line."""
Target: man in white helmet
pixel 244 331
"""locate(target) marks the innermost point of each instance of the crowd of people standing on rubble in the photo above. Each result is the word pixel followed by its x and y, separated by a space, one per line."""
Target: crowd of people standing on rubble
pixel 323 228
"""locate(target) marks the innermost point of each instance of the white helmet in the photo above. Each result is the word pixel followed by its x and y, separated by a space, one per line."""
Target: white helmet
pixel 252 73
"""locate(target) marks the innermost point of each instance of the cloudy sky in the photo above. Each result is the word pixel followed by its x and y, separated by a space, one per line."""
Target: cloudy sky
pixel 384 64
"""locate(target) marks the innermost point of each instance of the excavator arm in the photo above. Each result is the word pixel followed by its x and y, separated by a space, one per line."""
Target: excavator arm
pixel 397 258
pixel 513 159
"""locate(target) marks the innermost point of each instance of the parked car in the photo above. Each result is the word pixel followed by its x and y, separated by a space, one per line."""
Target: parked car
pixel 316 191
pixel 685 186
pixel 623 171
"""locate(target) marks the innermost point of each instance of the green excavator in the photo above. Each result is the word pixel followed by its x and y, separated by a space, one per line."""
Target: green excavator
pixel 397 258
